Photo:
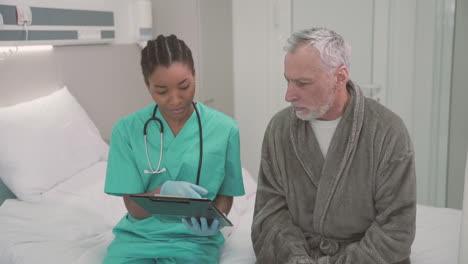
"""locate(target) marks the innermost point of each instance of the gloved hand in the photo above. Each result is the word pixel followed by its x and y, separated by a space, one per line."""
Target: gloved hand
pixel 201 228
pixel 183 188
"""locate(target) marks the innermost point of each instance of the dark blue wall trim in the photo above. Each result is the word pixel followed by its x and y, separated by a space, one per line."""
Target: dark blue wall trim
pixel 107 34
pixel 18 35
pixel 69 17
pixel 60 17
pixel 9 14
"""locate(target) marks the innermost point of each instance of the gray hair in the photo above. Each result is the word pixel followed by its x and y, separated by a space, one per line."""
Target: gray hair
pixel 333 50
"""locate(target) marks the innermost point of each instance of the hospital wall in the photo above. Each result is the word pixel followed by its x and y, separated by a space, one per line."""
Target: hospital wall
pixel 257 29
pixel 259 86
pixel 458 130
pixel 105 79
pixel 206 27
pixel 96 74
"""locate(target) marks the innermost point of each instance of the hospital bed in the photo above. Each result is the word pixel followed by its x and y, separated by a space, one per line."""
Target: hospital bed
pixel 55 164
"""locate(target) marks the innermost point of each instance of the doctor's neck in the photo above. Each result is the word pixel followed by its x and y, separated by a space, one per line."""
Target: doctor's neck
pixel 176 119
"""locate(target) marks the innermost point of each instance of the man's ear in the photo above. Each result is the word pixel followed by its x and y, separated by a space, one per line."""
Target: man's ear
pixel 342 75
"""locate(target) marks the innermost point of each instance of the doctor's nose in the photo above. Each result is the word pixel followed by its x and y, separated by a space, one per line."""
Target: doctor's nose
pixel 175 98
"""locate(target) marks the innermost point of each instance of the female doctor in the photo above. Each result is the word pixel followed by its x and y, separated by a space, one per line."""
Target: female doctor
pixel 173 147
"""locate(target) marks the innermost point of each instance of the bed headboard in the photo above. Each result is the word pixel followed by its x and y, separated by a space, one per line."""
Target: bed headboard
pixel 105 79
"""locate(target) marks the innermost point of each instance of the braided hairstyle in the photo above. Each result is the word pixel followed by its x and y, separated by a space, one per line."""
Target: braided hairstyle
pixel 163 51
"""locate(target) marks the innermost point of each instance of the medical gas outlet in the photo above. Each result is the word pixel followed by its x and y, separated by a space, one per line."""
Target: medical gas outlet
pixel 23 15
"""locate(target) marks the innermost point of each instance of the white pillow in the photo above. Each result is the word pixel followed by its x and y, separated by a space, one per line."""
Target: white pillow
pixel 46 141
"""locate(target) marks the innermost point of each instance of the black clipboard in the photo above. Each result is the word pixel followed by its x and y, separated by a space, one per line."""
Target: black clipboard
pixel 169 208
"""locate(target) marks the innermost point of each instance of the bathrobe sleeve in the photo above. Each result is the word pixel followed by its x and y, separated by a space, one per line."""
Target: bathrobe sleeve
pixel 389 238
pixel 276 239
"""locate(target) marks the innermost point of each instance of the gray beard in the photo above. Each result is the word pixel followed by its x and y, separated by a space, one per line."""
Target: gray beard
pixel 318 113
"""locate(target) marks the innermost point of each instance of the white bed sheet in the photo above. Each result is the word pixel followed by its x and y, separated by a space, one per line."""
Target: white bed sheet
pixel 74 225
pixel 437 236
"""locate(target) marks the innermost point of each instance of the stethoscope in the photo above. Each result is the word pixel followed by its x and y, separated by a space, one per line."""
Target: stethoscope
pixel 161 129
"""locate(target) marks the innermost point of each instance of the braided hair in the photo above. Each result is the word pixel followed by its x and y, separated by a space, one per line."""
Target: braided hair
pixel 163 51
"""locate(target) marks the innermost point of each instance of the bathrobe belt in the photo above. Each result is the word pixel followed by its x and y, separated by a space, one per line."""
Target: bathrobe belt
pixel 328 246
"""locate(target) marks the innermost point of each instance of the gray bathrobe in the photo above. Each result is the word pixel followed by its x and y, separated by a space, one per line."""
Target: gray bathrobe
pixel 357 205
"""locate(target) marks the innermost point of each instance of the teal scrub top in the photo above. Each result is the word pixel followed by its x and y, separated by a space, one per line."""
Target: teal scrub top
pixel 221 171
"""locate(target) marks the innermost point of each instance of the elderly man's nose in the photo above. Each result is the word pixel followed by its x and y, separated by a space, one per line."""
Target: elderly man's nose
pixel 290 95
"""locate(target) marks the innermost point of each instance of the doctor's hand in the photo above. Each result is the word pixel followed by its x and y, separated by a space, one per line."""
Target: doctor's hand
pixel 202 228
pixel 183 188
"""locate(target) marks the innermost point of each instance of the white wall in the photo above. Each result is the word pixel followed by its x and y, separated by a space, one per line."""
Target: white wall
pixel 259 31
pixel 181 18
pixel 459 111
pixel 105 79
pixel 206 27
pixel 418 80
pixel 217 54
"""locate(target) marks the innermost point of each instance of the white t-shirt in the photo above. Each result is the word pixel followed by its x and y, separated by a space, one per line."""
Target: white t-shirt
pixel 324 131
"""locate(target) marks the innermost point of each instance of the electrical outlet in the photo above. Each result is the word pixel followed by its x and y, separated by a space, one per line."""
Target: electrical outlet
pixel 23 15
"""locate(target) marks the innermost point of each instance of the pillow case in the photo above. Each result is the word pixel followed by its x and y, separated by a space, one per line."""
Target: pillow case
pixel 44 142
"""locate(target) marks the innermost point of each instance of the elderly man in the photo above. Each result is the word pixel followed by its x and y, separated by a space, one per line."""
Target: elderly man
pixel 337 181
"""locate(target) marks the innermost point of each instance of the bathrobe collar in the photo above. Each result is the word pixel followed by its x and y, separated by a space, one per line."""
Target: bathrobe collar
pixel 325 173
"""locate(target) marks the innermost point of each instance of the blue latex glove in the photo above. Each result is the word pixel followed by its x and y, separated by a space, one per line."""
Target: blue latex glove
pixel 201 228
pixel 183 188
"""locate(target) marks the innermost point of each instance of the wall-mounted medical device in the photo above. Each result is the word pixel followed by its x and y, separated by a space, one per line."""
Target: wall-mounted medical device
pixel 142 21
pixel 29 25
